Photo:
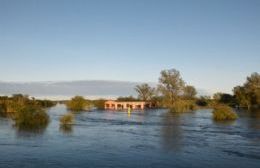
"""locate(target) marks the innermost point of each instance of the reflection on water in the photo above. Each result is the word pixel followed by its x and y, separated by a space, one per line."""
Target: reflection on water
pixel 29 132
pixel 66 129
pixel 24 131
pixel 255 113
pixel 151 138
pixel 224 123
pixel 171 132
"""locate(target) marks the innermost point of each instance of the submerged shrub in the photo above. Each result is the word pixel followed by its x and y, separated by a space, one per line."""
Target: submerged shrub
pixel 180 106
pixel 67 119
pixel 223 112
pixel 31 117
pixel 78 103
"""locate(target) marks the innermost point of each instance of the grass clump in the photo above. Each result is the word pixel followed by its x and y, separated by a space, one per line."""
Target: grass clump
pixel 181 106
pixel 31 116
pixel 67 119
pixel 78 103
pixel 223 113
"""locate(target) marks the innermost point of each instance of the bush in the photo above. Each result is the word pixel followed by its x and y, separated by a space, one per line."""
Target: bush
pixel 180 106
pixel 99 104
pixel 31 117
pixel 203 101
pixel 67 119
pixel 223 112
pixel 78 103
pixel 46 103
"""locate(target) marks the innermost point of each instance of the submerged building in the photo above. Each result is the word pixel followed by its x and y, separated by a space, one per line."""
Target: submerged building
pixel 123 105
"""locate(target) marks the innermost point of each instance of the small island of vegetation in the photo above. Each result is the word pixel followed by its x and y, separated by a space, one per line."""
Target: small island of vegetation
pixel 67 119
pixel 27 113
pixel 78 103
pixel 224 112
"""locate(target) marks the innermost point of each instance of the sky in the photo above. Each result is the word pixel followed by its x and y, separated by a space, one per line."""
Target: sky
pixel 214 44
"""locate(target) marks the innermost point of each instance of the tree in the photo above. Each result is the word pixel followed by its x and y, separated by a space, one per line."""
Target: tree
pixel 203 101
pixel 189 92
pixel 249 94
pixel 224 98
pixel 99 103
pixel 145 92
pixel 241 96
pixel 170 85
pixel 127 98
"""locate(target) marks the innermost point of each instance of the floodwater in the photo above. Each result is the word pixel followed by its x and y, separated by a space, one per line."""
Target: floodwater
pixel 152 138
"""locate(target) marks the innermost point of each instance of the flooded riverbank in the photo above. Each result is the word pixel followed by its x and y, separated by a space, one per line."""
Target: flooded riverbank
pixel 152 138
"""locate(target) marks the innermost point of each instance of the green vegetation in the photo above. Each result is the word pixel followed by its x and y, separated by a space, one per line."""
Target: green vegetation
pixel 18 101
pixel 224 98
pixel 67 119
pixel 27 113
pixel 203 101
pixel 99 104
pixel 176 96
pixel 248 95
pixel 46 103
pixel 157 101
pixel 189 92
pixel 128 98
pixel 145 92
pixel 31 116
pixel 223 113
pixel 180 106
pixel 78 103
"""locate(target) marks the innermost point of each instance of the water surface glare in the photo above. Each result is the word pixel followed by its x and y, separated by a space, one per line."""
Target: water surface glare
pixel 152 138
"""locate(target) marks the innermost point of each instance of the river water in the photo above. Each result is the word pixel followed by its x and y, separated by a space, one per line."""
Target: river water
pixel 152 138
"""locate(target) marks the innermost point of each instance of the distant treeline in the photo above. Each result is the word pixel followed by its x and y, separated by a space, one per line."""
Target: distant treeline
pixel 173 93
pixel 14 103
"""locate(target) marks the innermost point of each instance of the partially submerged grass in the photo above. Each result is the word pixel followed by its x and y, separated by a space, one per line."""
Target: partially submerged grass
pixel 67 119
pixel 223 113
pixel 78 103
pixel 181 106
pixel 31 117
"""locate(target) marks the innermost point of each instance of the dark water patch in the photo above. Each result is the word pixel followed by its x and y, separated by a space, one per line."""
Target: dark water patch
pixel 244 155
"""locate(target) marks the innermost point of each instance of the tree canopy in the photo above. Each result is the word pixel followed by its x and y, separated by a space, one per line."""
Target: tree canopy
pixel 248 95
pixel 145 92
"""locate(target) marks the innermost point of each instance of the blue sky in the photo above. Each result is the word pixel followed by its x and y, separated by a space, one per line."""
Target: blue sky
pixel 214 44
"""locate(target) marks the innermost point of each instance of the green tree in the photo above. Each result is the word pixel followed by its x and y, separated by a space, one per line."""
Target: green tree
pixel 224 98
pixel 203 101
pixel 127 98
pixel 99 104
pixel 171 86
pixel 145 92
pixel 242 96
pixel 189 92
pixel 248 95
